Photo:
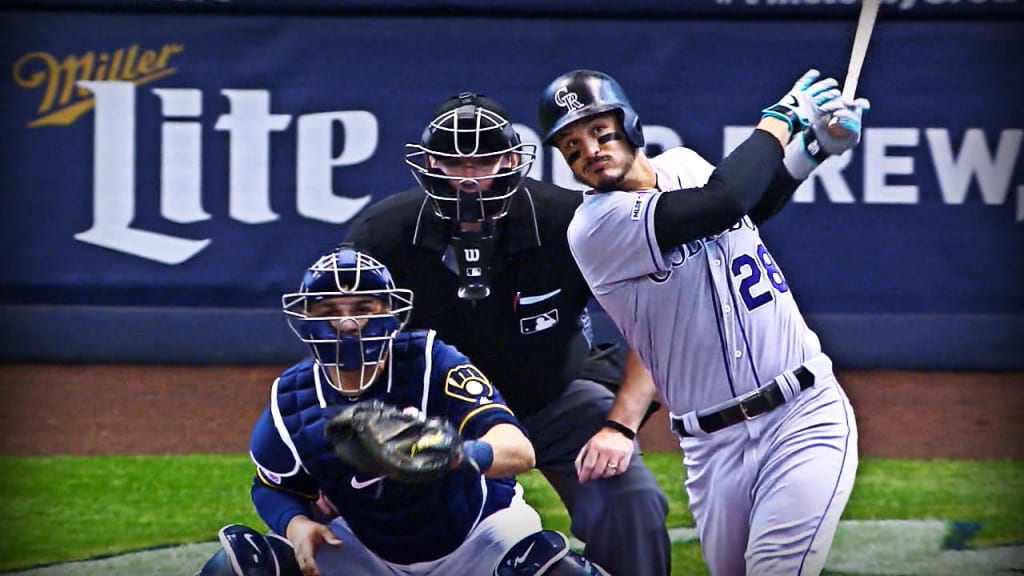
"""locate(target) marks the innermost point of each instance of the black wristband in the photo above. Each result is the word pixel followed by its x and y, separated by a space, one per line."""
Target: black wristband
pixel 620 428
pixel 814 147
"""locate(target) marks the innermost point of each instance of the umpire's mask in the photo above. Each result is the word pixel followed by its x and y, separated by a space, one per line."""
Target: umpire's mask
pixel 470 161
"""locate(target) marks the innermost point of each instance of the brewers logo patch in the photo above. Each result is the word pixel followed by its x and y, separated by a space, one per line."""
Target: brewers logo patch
pixel 467 383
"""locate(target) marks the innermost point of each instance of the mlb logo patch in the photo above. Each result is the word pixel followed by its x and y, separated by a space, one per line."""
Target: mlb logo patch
pixel 538 323
pixel 634 214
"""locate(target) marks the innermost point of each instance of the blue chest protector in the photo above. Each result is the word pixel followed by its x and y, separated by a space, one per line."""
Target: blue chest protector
pixel 402 523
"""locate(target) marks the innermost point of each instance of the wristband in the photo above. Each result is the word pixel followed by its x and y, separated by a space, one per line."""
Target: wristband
pixel 803 154
pixel 813 147
pixel 620 428
pixel 478 455
pixel 787 115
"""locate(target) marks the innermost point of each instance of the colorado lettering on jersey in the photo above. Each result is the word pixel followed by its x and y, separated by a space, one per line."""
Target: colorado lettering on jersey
pixel 678 256
pixel 467 383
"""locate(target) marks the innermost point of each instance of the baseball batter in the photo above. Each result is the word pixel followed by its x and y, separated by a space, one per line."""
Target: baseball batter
pixel 671 249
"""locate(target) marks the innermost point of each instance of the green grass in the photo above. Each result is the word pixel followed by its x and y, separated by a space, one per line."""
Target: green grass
pixel 55 509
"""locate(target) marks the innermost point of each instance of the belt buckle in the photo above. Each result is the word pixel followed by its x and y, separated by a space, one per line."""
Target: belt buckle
pixel 742 404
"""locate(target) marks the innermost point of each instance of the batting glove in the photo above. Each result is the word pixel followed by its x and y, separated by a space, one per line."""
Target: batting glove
pixel 846 132
pixel 813 145
pixel 802 105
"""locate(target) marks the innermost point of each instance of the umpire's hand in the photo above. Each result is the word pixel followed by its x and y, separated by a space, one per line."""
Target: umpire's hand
pixel 606 454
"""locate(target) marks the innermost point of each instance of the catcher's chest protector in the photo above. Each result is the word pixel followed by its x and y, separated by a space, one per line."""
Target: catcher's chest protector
pixel 299 409
pixel 304 419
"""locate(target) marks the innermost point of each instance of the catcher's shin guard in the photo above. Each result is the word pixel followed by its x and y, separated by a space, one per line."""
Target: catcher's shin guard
pixel 545 553
pixel 246 552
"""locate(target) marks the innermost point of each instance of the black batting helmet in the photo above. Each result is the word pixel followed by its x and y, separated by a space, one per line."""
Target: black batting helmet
pixel 582 93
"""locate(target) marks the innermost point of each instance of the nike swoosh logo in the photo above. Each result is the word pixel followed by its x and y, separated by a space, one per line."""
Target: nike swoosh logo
pixel 527 300
pixel 520 559
pixel 360 485
pixel 252 542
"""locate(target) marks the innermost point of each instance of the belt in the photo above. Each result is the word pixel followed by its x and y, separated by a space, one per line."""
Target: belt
pixel 756 403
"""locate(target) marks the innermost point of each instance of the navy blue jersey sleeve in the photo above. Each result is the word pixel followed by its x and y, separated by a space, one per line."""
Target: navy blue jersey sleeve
pixel 469 399
pixel 281 487
pixel 277 508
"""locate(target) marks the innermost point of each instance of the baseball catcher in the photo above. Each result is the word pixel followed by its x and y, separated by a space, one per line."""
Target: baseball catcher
pixel 386 451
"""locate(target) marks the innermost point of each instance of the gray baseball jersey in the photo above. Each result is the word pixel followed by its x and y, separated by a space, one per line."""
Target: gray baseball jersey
pixel 714 319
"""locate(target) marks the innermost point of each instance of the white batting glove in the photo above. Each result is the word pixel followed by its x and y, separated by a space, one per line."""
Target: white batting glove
pixel 846 133
pixel 802 105
pixel 813 145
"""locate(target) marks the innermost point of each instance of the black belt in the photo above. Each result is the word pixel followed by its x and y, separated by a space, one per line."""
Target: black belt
pixel 761 401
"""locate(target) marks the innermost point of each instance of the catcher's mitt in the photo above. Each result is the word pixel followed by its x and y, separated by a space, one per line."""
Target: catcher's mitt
pixel 380 439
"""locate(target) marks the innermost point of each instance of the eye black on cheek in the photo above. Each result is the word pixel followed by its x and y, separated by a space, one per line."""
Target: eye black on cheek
pixel 572 157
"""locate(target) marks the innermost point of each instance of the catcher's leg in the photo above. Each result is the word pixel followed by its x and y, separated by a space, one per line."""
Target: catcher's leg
pixel 246 552
pixel 352 557
pixel 485 545
pixel 545 553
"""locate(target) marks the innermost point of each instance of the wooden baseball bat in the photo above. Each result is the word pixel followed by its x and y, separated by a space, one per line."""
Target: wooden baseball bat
pixel 865 25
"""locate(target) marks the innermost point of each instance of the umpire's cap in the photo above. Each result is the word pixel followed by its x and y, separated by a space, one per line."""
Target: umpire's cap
pixel 582 93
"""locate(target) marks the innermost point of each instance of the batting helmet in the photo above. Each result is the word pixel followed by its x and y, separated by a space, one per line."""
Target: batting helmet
pixel 583 93
pixel 470 126
pixel 347 271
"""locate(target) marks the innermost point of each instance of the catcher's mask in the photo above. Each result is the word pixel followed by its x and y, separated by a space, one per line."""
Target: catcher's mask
pixel 583 93
pixel 354 341
pixel 470 160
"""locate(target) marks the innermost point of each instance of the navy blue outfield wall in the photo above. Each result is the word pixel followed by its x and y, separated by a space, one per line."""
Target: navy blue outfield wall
pixel 170 171
pixel 219 336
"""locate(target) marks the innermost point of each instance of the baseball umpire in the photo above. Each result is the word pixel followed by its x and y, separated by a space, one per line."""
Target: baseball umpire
pixel 768 436
pixel 404 440
pixel 484 247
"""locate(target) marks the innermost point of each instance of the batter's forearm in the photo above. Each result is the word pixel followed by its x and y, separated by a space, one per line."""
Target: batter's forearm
pixel 634 395
pixel 779 192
